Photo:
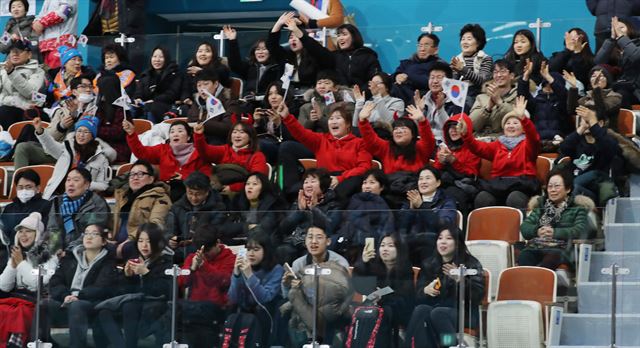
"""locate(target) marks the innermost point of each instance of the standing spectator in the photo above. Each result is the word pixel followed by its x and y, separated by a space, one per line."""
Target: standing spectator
pixel 513 172
pixel 211 267
pixel 143 274
pixel 523 48
pixel 497 99
pixel 204 58
pixel 159 87
pixel 86 276
pixel 56 23
pixel 436 316
pixel 626 56
pixel 144 201
pixel 19 25
pixel 85 151
pixel 355 63
pixel 258 71
pixel 255 284
pixel 436 105
pixel 71 67
pixel 577 56
pixel 74 210
pixel 19 78
pixel 604 10
pixel 63 119
pixel 28 200
pixel 112 17
pixel 412 74
pixel 334 11
pixel 17 280
pixel 387 108
pixel 472 64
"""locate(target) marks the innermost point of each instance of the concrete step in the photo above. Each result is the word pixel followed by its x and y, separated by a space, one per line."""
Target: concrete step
pixel 600 260
pixel 595 330
pixel 622 237
pixel 595 298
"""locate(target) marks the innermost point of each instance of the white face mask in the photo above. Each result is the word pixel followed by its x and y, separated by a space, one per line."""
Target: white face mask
pixel 86 98
pixel 25 195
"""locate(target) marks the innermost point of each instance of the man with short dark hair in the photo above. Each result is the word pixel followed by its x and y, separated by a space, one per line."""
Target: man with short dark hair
pixel 497 100
pixel 201 205
pixel 74 210
pixel 216 127
pixel 28 200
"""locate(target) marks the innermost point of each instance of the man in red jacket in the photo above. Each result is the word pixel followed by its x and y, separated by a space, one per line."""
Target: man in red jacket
pixel 211 267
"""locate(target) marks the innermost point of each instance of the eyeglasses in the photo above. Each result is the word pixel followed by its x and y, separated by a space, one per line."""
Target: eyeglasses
pixel 91 234
pixel 138 175
pixel 501 72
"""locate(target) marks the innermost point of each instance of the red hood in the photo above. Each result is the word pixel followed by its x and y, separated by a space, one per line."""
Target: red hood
pixel 455 118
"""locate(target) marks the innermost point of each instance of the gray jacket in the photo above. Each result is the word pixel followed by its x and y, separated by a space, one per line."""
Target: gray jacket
pixel 21 27
pixel 385 109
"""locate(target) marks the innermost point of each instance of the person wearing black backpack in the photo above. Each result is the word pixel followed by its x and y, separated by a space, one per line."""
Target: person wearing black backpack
pixel 434 321
pixel 255 290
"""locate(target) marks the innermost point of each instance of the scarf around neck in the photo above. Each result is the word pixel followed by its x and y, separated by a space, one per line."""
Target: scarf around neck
pixel 182 152
pixel 511 142
pixel 552 214
pixel 68 208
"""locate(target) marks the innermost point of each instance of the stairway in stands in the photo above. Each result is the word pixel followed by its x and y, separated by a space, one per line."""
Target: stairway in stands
pixel 591 326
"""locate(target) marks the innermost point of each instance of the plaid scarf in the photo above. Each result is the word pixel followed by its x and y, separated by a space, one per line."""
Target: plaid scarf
pixel 68 208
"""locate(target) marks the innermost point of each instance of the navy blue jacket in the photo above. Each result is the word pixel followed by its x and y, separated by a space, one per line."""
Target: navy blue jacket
pixel 548 111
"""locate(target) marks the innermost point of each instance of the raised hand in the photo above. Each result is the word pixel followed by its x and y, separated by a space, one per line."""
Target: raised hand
pixel 368 254
pixel 544 71
pixel 417 100
pixel 365 113
pixel 282 20
pixel 128 127
pixel 415 113
pixel 198 128
pixel 457 64
pixel 401 78
pixel 357 93
pixel 521 106
pixel 37 124
pixel 229 32
pixel 587 115
pixel 283 110
pixel 528 69
pixel 415 199
pixel 570 78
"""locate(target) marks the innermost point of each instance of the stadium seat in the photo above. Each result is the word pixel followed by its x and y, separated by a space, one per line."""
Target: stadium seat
pixel 171 120
pixel 495 223
pixel 524 294
pixel 626 123
pixel 485 169
pixel 543 166
pixel 236 86
pixel 484 306
pixel 142 126
pixel 376 164
pixel 4 181
pixel 123 169
pixel 459 220
pixel 45 171
pixel 16 128
pixel 308 163
pixel 416 273
pixel 494 255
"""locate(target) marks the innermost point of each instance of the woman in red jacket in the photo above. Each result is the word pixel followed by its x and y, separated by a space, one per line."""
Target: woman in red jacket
pixel 459 166
pixel 177 158
pixel 514 154
pixel 241 149
pixel 404 152
pixel 340 152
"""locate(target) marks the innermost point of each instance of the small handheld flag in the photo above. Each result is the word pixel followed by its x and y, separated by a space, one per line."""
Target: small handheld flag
pixel 214 106
pixel 123 101
pixel 329 98
pixel 83 40
pixel 72 40
pixel 456 90
pixel 5 39
pixel 38 98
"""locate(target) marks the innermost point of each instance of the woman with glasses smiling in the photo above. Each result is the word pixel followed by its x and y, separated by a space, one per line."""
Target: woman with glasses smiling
pixel 145 200
pixel 84 151
pixel 554 220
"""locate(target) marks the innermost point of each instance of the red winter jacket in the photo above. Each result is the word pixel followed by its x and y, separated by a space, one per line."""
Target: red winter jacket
pixel 162 154
pixel 211 281
pixel 517 162
pixel 347 155
pixel 252 161
pixel 466 162
pixel 382 148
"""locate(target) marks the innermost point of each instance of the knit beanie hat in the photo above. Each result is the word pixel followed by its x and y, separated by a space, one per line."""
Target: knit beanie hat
pixel 32 222
pixel 511 114
pixel 25 3
pixel 91 122
pixel 67 53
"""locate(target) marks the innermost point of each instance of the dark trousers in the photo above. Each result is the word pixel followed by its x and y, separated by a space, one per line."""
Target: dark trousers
pixel 130 320
pixel 289 153
pixel 515 199
pixel 10 115
pixel 78 315
pixel 429 327
pixel 550 259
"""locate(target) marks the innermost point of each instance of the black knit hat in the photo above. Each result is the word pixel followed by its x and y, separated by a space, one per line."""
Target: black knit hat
pixel 24 2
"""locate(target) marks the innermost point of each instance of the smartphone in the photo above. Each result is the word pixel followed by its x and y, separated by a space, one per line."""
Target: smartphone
pixel 437 285
pixel 369 244
pixel 288 268
pixel 242 252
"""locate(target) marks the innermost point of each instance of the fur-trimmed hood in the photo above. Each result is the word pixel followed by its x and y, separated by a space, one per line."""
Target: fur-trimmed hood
pixel 579 200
